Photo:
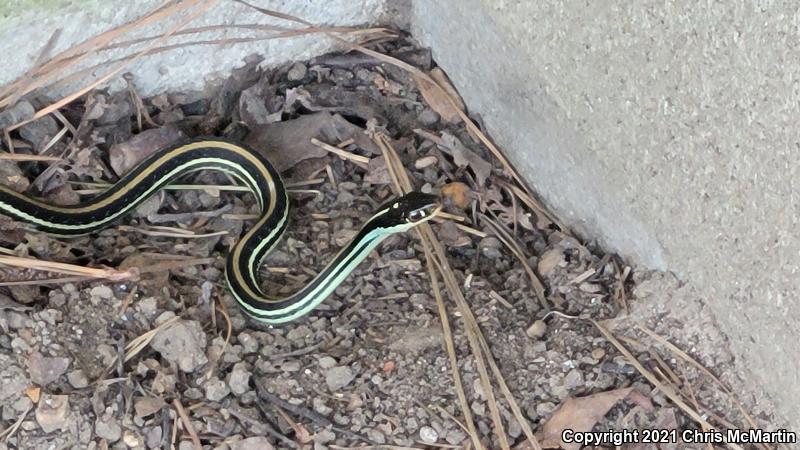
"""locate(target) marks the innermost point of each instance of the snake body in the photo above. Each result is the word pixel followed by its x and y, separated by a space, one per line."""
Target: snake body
pixel 258 174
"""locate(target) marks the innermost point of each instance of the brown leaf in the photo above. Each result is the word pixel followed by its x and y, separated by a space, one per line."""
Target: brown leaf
pixel 126 155
pixel 580 414
pixel 253 106
pixel 289 142
pixel 11 176
pixel 33 393
pixel 441 78
pixel 377 172
pixel 436 96
pixel 465 157
pixel 51 414
pixel 146 406
pixel 458 194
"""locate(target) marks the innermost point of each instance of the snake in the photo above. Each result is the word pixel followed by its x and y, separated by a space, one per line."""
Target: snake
pixel 243 261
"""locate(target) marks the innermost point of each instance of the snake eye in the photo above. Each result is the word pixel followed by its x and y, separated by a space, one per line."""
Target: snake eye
pixel 416 215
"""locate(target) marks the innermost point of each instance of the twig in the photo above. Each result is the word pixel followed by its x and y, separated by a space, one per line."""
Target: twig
pixel 187 424
pixel 359 160
pixel 69 269
pixel 318 419
pixel 24 157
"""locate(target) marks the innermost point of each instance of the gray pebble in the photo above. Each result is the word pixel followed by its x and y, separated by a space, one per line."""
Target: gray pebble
pixel 44 370
pixel 102 292
pixel 428 435
pixel 320 406
pixel 297 72
pixel 574 379
pixel 216 389
pixel 249 342
pixel 153 437
pixel 339 377
pixel 299 333
pixel 239 379
pixel 184 343
pixel 326 362
pixel 428 117
pixel 252 443
pixel 108 429
pixel 376 436
pixel 77 379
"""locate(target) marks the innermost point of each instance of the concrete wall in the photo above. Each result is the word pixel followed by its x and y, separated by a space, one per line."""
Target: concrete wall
pixel 27 25
pixel 665 129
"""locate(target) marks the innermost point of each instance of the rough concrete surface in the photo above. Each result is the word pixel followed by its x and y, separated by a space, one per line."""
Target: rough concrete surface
pixel 667 131
pixel 27 25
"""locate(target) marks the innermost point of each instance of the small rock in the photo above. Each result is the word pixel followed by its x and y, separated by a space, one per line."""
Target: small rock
pixel 44 370
pixel 130 439
pixel 326 362
pixel 490 247
pixel 252 443
pixel 297 72
pixel 184 343
pixel 428 435
pixel 153 437
pixel 249 342
pixel 598 353
pixel 186 445
pixel 549 261
pixel 320 406
pixel 574 379
pixel 479 408
pixel 51 414
pixel 102 292
pixel 339 377
pixel 455 436
pixel 544 409
pixel 22 110
pixel 77 379
pixel 145 406
pixel 108 429
pixel 537 329
pixel 298 333
pixel 428 117
pixel 148 306
pixel 376 436
pixel 324 436
pixel 425 161
pixel 216 389
pixel 239 379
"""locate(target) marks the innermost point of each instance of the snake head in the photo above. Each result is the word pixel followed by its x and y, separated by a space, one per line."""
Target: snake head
pixel 409 210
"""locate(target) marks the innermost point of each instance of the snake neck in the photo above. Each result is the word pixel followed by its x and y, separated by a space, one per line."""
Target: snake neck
pixel 272 310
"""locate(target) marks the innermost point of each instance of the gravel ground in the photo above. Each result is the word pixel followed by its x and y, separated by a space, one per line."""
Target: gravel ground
pixel 92 364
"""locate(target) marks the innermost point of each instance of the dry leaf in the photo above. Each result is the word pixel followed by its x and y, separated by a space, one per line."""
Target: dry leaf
pixel 441 78
pixel 377 172
pixel 12 177
pixel 465 157
pixel 146 406
pixel 33 393
pixel 436 97
pixel 126 155
pixel 458 194
pixel 580 414
pixel 289 142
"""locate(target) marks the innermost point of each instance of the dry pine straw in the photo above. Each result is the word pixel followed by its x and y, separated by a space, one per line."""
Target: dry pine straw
pixel 54 71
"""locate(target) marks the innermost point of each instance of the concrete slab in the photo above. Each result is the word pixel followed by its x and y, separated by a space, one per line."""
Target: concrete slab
pixel 26 25
pixel 664 129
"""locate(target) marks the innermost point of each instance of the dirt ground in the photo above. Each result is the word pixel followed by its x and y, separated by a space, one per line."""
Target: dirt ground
pixel 168 358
